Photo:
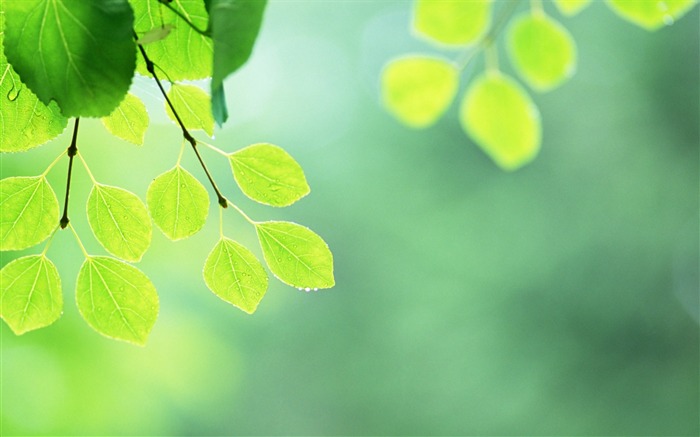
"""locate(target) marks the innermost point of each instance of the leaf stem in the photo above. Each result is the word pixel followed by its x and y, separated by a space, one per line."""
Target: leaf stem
pixel 182 16
pixel 87 169
pixel 80 243
pixel 221 223
pixel 245 216
pixel 72 151
pixel 48 243
pixel 214 148
pixel 55 161
pixel 179 156
pixel 185 133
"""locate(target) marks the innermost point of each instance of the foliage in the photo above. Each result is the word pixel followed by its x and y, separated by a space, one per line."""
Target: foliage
pixel 65 59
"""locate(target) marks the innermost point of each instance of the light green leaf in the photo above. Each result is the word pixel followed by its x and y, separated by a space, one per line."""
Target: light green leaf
pixel 116 299
pixel 79 53
pixel 193 105
pixel 542 50
pixel 651 14
pixel 28 212
pixel 234 274
pixel 572 7
pixel 129 121
pixel 120 222
pixel 269 175
pixel 178 202
pixel 418 89
pixel 155 35
pixel 452 22
pixel 500 117
pixel 296 255
pixel 184 54
pixel 31 293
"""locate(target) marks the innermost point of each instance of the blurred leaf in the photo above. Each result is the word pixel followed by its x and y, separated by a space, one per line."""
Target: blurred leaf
pixel 116 299
pixel 500 117
pixel 120 222
pixel 178 202
pixel 79 53
pixel 651 14
pixel 156 34
pixel 218 105
pixel 129 121
pixel 296 255
pixel 193 105
pixel 269 175
pixel 542 50
pixel 184 54
pixel 572 7
pixel 452 22
pixel 418 89
pixel 28 212
pixel 31 293
pixel 234 274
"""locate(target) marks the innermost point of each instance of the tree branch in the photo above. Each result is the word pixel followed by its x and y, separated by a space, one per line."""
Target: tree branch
pixel 72 151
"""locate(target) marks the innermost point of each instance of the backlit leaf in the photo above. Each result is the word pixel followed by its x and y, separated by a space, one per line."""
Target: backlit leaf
pixel 572 7
pixel 234 274
pixel 129 121
pixel 452 22
pixel 79 53
pixel 120 221
pixel 31 293
pixel 28 212
pixel 651 14
pixel 418 89
pixel 269 175
pixel 500 117
pixel 178 202
pixel 296 255
pixel 155 35
pixel 193 105
pixel 116 299
pixel 542 50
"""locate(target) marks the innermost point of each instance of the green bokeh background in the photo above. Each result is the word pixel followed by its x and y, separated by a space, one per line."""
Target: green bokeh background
pixel 558 299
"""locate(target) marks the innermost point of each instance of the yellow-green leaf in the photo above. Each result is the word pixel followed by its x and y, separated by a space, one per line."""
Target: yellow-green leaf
pixel 571 7
pixel 193 105
pixel 129 121
pixel 542 51
pixel 651 14
pixel 28 212
pixel 31 293
pixel 500 117
pixel 452 22
pixel 234 274
pixel 417 90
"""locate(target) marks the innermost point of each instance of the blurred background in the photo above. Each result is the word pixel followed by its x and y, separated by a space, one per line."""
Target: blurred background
pixel 558 299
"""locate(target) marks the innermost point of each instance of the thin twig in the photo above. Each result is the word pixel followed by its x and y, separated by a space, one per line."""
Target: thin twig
pixel 72 151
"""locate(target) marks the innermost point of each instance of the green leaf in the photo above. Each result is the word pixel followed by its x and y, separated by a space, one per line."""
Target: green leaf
pixel 571 7
pixel 28 212
pixel 269 175
pixel 296 255
pixel 218 105
pixel 193 105
pixel 500 117
pixel 651 14
pixel 129 121
pixel 542 50
pixel 155 34
pixel 417 90
pixel 79 53
pixel 234 274
pixel 178 202
pixel 184 54
pixel 31 293
pixel 116 299
pixel 120 222
pixel 452 22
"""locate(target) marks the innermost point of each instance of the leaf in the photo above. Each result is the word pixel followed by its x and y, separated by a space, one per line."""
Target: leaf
pixel 79 53
pixel 452 22
pixel 31 293
pixel 417 90
pixel 178 202
pixel 116 299
pixel 193 105
pixel 500 117
pixel 184 54
pixel 119 221
pixel 129 121
pixel 25 122
pixel 542 50
pixel 296 255
pixel 651 14
pixel 269 175
pixel 572 7
pixel 218 105
pixel 155 34
pixel 28 212
pixel 234 274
